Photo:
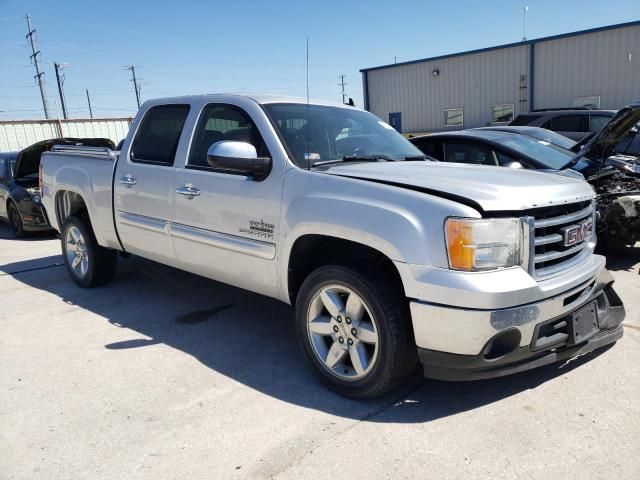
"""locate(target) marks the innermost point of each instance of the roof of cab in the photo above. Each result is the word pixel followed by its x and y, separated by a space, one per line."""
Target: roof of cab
pixel 261 98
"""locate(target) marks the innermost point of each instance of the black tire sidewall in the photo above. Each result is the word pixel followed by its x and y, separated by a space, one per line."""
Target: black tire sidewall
pixel 87 280
pixel 13 210
pixel 362 286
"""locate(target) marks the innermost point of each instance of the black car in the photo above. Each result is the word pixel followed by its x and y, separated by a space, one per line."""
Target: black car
pixel 481 146
pixel 19 186
pixel 20 198
pixel 572 123
pixel 615 178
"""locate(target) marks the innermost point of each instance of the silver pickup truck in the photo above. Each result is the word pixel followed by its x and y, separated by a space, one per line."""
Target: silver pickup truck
pixel 388 258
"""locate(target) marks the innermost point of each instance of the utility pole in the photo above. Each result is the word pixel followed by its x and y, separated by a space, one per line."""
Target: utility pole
pixel 135 83
pixel 35 58
pixel 60 80
pixel 89 102
pixel 343 84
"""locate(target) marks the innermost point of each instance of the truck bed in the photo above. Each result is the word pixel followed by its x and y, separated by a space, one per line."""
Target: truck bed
pixel 87 172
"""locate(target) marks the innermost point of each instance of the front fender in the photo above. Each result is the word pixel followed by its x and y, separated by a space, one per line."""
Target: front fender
pixel 404 225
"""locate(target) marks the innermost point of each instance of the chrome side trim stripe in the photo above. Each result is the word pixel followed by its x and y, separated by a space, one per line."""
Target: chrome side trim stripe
pixel 146 223
pixel 225 241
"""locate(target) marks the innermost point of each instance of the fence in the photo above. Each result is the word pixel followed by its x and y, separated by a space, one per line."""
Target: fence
pixel 18 134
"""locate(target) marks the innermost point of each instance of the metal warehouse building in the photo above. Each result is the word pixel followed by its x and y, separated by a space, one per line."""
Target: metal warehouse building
pixel 598 67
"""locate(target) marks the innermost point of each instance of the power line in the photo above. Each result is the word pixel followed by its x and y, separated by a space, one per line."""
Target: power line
pixel 89 102
pixel 135 83
pixel 343 84
pixel 35 57
pixel 60 80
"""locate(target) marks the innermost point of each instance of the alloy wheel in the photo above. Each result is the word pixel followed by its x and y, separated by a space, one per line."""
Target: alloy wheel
pixel 76 250
pixel 342 332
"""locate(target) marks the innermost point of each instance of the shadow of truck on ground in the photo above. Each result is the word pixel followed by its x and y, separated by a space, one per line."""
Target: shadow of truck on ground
pixel 250 338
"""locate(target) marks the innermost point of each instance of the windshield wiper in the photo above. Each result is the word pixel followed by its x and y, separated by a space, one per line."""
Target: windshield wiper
pixel 352 158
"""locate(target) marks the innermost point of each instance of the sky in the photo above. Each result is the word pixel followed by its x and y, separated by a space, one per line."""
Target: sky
pixel 194 46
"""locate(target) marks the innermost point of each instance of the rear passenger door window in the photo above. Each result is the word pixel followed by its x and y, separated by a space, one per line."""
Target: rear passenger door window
pixel 157 138
pixel 220 122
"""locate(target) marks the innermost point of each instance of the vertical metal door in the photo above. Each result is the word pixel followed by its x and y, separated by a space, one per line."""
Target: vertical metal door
pixel 395 120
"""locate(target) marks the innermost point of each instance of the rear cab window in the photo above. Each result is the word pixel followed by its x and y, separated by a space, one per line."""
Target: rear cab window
pixel 157 138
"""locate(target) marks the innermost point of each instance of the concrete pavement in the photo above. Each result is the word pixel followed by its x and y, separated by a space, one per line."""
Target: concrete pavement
pixel 162 374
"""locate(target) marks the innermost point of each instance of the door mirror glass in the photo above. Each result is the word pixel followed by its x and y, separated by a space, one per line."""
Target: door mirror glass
pixel 240 158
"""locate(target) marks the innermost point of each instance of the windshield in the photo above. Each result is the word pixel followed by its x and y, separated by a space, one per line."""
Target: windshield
pixel 333 133
pixel 551 137
pixel 542 151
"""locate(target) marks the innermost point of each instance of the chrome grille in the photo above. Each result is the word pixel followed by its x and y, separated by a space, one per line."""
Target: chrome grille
pixel 550 253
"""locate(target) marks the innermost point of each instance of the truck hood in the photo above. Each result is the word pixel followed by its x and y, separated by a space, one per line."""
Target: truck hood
pixel 28 161
pixel 482 187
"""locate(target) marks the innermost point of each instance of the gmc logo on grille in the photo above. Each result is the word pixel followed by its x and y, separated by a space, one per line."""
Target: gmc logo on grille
pixel 577 233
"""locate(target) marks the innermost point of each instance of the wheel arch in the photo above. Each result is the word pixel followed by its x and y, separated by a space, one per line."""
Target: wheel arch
pixel 68 203
pixel 311 251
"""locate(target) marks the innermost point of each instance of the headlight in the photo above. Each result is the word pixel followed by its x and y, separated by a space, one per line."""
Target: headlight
pixel 36 198
pixel 483 244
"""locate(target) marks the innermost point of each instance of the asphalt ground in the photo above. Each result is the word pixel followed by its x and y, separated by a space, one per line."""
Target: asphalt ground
pixel 163 375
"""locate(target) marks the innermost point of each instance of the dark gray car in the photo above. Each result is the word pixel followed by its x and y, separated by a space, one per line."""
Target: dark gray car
pixel 572 123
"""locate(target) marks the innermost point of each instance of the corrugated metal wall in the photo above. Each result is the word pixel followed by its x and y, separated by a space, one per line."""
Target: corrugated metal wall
pixel 596 64
pixel 16 135
pixel 475 82
pixel 582 65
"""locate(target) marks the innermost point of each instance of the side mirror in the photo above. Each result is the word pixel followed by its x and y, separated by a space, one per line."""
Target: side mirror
pixel 239 158
pixel 513 165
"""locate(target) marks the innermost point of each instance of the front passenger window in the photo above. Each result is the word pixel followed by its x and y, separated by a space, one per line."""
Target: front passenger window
pixel 220 122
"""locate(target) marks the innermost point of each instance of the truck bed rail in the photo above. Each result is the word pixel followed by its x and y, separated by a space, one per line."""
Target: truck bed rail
pixel 84 150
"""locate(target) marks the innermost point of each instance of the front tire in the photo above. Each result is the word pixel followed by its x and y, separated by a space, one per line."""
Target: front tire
pixel 354 329
pixel 15 220
pixel 88 263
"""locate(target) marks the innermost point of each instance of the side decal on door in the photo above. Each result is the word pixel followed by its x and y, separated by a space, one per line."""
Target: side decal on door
pixel 258 229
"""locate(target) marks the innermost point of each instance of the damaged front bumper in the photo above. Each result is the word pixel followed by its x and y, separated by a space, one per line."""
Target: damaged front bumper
pixel 512 340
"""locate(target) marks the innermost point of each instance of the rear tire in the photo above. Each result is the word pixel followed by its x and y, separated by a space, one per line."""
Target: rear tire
pixel 88 264
pixel 15 220
pixel 360 357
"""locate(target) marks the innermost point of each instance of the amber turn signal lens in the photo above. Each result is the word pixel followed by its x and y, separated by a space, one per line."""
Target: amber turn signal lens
pixel 459 237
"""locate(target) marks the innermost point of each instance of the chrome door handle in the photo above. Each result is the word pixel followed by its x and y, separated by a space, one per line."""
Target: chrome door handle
pixel 188 191
pixel 127 180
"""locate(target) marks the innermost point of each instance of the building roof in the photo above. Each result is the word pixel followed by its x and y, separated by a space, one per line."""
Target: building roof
pixel 508 45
